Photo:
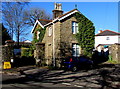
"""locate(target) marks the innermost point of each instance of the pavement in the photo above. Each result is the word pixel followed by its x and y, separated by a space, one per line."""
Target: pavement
pixel 24 68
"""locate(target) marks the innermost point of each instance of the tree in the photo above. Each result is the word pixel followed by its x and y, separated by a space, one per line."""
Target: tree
pixel 13 18
pixel 4 34
pixel 17 20
pixel 35 13
pixel 86 34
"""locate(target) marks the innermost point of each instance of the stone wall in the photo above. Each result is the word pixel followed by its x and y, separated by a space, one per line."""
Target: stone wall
pixel 115 52
pixel 49 45
pixel 63 40
pixel 40 54
pixel 48 40
pixel 67 37
pixel 7 53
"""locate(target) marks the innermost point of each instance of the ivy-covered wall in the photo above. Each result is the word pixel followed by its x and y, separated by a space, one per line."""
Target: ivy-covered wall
pixel 41 35
pixel 86 34
pixel 27 51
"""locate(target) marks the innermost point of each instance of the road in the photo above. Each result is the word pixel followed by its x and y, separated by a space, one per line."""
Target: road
pixel 49 79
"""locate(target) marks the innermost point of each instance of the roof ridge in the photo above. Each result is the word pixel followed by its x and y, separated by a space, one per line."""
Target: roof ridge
pixel 67 13
pixel 44 20
pixel 109 31
pixel 112 31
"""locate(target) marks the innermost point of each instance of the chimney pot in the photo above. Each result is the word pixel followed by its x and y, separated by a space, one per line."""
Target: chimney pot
pixel 100 31
pixel 57 10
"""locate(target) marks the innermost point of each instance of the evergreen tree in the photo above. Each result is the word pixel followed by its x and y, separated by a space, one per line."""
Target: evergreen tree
pixel 5 35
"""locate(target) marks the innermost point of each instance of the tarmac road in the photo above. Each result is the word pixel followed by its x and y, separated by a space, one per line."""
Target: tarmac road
pixel 105 76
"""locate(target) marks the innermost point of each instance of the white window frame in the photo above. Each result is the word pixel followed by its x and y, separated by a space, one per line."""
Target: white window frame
pixel 76 48
pixel 38 35
pixel 50 31
pixel 74 27
pixel 107 38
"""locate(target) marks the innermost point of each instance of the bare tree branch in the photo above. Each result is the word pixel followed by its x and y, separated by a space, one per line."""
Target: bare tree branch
pixel 13 18
pixel 17 18
pixel 32 14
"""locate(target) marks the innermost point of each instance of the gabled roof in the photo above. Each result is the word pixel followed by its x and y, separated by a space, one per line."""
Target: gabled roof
pixel 67 13
pixel 64 16
pixel 41 22
pixel 107 33
pixel 44 23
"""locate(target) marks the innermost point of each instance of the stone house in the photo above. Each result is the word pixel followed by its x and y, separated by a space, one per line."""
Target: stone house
pixel 58 41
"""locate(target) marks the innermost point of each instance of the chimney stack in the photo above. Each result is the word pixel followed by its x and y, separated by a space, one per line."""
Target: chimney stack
pixel 57 10
pixel 100 31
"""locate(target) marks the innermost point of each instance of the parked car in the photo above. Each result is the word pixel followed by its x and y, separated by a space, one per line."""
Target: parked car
pixel 76 63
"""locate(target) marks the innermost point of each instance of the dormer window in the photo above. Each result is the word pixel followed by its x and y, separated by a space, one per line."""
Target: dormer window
pixel 50 31
pixel 74 27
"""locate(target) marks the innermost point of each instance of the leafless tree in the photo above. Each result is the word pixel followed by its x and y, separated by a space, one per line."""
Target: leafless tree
pixel 19 1
pixel 34 13
pixel 13 18
pixel 17 18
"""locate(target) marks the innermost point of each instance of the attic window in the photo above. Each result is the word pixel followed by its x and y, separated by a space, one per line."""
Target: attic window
pixel 74 27
pixel 38 34
pixel 50 31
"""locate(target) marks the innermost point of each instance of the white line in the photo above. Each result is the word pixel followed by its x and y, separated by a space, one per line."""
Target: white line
pixel 78 86
pixel 66 84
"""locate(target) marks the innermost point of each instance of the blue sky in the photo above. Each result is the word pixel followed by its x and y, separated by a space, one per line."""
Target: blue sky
pixel 104 15
pixel 75 0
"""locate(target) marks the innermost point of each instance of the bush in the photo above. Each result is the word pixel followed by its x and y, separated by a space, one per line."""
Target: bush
pixel 28 52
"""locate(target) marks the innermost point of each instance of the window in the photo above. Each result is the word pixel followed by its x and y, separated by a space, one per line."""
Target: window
pixel 75 50
pixel 38 34
pixel 50 31
pixel 74 27
pixel 107 38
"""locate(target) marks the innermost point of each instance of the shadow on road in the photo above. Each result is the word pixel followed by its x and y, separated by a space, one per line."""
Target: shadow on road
pixel 105 75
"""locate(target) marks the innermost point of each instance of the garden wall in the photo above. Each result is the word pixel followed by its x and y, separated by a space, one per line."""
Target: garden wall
pixel 7 53
pixel 115 52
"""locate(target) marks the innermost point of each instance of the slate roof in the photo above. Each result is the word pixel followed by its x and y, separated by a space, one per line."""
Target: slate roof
pixel 67 13
pixel 44 21
pixel 107 33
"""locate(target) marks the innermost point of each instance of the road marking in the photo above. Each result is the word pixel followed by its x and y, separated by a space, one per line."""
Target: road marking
pixel 78 86
pixel 66 84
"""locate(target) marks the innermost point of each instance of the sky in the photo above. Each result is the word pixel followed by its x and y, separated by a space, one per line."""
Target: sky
pixel 65 0
pixel 104 15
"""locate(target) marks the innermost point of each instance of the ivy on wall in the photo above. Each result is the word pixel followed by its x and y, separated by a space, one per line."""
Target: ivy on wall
pixel 86 34
pixel 27 51
pixel 41 35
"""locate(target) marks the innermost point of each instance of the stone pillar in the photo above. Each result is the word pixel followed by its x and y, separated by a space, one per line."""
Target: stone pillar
pixel 115 52
pixel 7 50
pixel 40 54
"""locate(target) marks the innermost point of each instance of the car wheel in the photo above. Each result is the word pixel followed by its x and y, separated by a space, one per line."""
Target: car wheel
pixel 74 69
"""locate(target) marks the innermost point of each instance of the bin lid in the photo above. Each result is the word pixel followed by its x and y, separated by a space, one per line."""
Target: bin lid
pixel 105 46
